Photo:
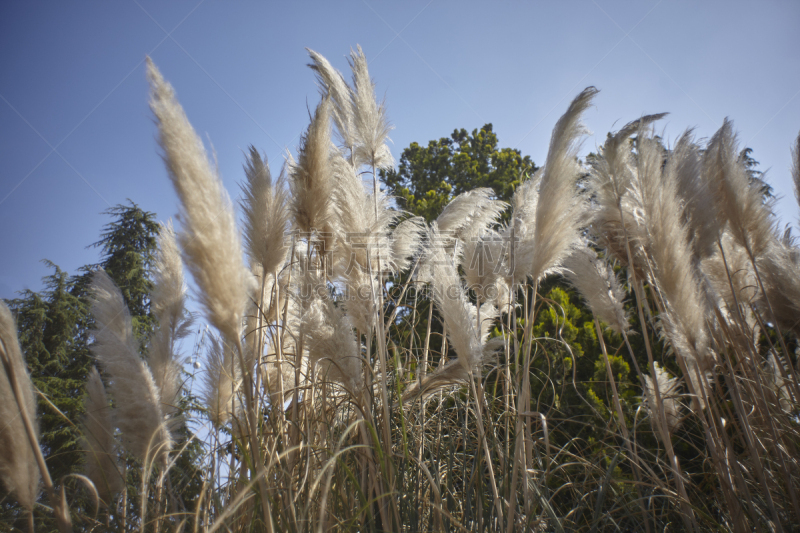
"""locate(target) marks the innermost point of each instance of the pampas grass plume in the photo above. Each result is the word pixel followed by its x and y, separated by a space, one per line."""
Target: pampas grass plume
pixel 173 323
pixel 210 239
pixel 667 387
pixel 311 176
pixel 100 449
pixel 599 286
pixel 266 214
pixel 131 384
pixel 370 124
pixel 739 202
pixel 221 383
pixel 332 81
pixel 19 471
pixel 559 214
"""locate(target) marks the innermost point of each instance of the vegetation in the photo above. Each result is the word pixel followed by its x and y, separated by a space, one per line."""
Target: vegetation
pixel 607 345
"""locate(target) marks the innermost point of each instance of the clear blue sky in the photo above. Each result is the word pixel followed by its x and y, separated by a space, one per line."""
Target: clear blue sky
pixel 76 135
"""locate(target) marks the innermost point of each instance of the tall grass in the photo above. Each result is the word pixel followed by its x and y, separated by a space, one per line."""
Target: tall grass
pixel 338 397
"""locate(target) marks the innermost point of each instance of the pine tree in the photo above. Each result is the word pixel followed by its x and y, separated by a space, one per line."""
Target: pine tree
pixel 127 246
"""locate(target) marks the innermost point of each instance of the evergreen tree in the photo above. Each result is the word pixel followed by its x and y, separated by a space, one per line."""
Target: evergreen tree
pixel 127 246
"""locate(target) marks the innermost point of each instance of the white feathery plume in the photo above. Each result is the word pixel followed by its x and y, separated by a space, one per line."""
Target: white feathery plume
pixel 362 223
pixel 169 293
pixel 138 404
pixel 668 389
pixel 684 167
pixel 739 202
pixel 266 214
pixel 469 213
pixel 167 302
pixel 659 217
pixel 779 267
pixel 311 176
pixel 595 280
pixel 19 471
pixel 612 172
pixel 559 212
pixel 333 351
pixel 359 301
pixel 460 319
pixel 406 239
pixel 210 239
pixel 466 216
pixel 483 261
pixel 796 168
pixel 739 273
pixel 221 382
pixel 332 81
pixel 370 125
pixel 100 447
pixel 519 233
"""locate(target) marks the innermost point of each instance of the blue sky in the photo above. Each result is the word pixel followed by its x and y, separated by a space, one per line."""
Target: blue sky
pixel 76 135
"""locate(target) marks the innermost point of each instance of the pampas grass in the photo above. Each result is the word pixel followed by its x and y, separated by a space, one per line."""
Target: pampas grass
pixel 599 286
pixel 796 168
pixel 332 83
pixel 139 416
pixel 221 381
pixel 167 302
pixel 739 202
pixel 684 167
pixel 311 176
pixel 459 316
pixel 667 246
pixel 370 125
pixel 209 240
pixel 334 404
pixel 471 212
pixel 100 447
pixel 559 215
pixel 668 387
pixel 610 180
pixel 19 471
pixel 266 214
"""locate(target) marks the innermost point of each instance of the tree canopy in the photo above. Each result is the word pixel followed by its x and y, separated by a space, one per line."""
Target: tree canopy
pixel 428 177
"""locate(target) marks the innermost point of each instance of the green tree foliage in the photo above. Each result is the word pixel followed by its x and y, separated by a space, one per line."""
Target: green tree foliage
pixel 53 332
pixel 428 177
pixel 127 246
